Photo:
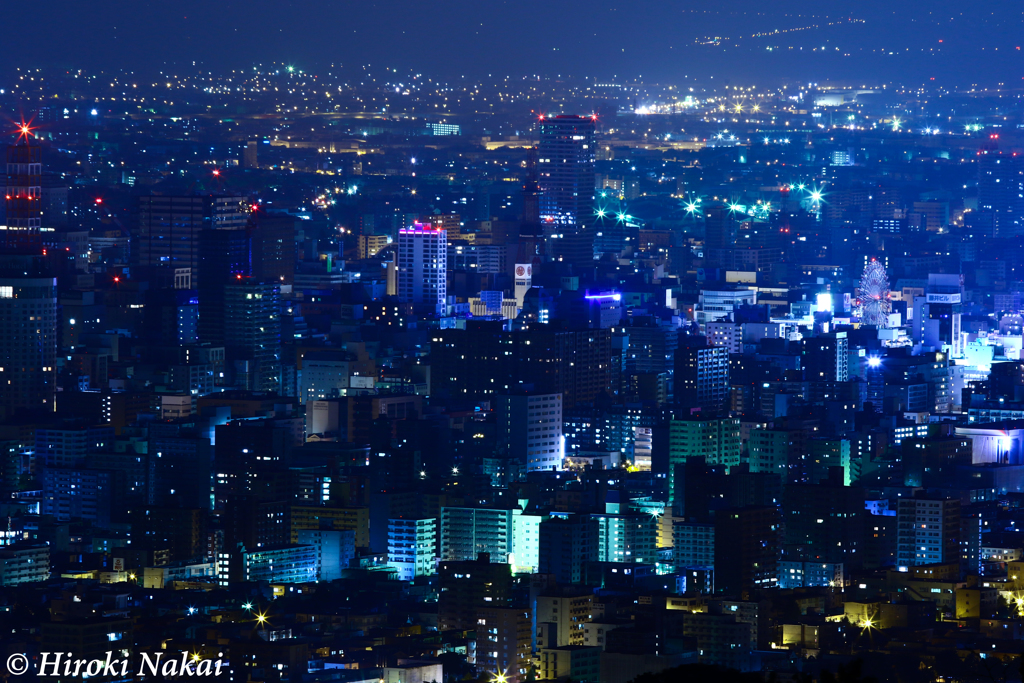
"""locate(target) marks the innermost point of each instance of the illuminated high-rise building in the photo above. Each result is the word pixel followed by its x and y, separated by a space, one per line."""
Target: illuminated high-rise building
pixel 1001 190
pixel 936 320
pixel 701 374
pixel 22 198
pixel 503 637
pixel 468 532
pixel 252 333
pixel 423 265
pixel 411 546
pixel 530 429
pixel 929 532
pixel 565 164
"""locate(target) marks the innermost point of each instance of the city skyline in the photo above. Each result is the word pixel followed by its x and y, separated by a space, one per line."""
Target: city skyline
pixel 738 40
pixel 512 343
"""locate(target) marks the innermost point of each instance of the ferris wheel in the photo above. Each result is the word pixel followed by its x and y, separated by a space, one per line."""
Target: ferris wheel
pixel 873 295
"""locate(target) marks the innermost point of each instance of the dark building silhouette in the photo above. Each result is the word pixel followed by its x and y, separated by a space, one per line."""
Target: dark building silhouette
pixel 168 229
pixel 746 549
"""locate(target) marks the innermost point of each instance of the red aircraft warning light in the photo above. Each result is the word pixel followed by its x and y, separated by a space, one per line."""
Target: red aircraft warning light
pixel 25 129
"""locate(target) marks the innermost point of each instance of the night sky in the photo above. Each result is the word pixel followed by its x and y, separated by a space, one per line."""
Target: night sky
pixel 601 38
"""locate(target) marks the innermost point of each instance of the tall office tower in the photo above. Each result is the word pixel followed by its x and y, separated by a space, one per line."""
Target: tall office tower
pixel 719 227
pixel 168 229
pixel 746 549
pixel 272 237
pixel 249 155
pixel 531 194
pixel 825 358
pixel 224 257
pixel 530 246
pixel 252 333
pixel 530 429
pixel 24 208
pixel 929 532
pixel 28 328
pixel 423 266
pixel 1001 190
pixel 54 200
pixel 701 374
pixel 565 163
pixel 936 322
